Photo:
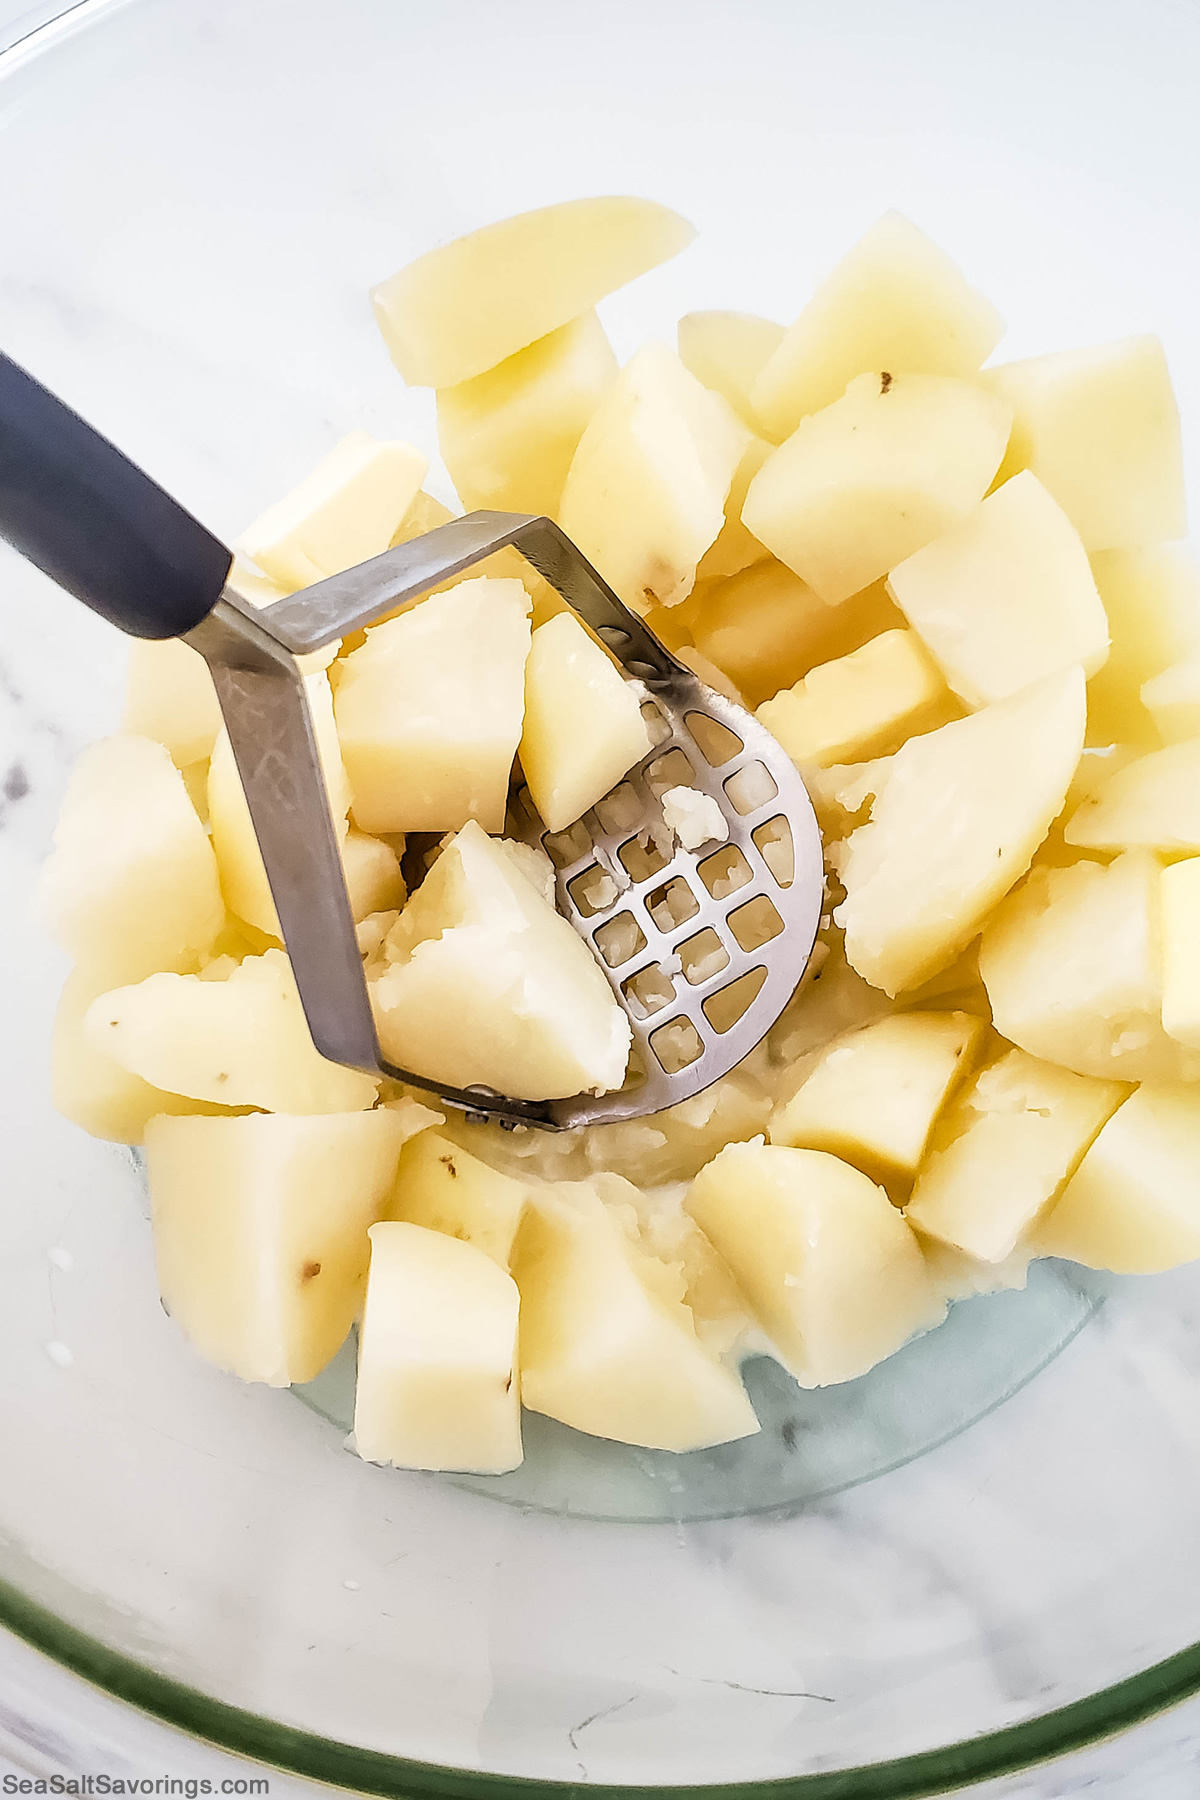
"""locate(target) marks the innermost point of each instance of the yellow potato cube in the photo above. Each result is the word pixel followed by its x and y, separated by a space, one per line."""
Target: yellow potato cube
pixel 1100 429
pixel 894 302
pixel 1152 803
pixel 1172 700
pixel 727 351
pixel 445 1188
pixel 425 514
pixel 438 1383
pixel 869 479
pixel 872 1096
pixel 341 514
pixel 1152 598
pixel 429 710
pixel 957 817
pixel 735 548
pixel 583 722
pixel 169 696
pixel 373 879
pixel 830 1269
pixel 1006 597
pixel 260 1232
pixel 1180 891
pixel 507 437
pixel 860 705
pixel 1003 1151
pixel 1133 1204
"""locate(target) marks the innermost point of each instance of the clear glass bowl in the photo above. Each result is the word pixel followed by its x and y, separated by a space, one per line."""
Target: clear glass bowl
pixel 983 1554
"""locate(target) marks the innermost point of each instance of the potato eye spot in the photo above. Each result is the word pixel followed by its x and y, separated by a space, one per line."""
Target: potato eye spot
pixel 310 1271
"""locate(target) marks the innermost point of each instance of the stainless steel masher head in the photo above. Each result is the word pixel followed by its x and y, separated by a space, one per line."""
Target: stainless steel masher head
pixel 702 947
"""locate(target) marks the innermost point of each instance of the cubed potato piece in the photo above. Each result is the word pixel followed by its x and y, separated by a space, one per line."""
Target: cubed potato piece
pixel 1100 428
pixel 537 270
pixel 871 478
pixel 445 1188
pixel 895 302
pixel 645 495
pixel 373 879
pixel 1172 700
pixel 429 710
pixel 425 514
pixel 170 697
pixel 583 722
pixel 240 1041
pixel 341 514
pixel 607 1346
pixel 735 548
pixel 507 437
pixel 957 817
pixel 243 876
pixel 1006 597
pixel 260 1232
pixel 438 1384
pixel 1072 963
pixel 873 1095
pixel 830 1269
pixel 1152 803
pixel 131 885
pixel 727 351
pixel 486 983
pixel 860 705
pixel 1152 598
pixel 1133 1204
pixel 765 628
pixel 1003 1150
pixel 1179 888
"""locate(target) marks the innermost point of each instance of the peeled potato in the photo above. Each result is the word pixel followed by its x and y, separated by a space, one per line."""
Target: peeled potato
pixel 583 722
pixel 341 514
pixel 863 704
pixel 727 351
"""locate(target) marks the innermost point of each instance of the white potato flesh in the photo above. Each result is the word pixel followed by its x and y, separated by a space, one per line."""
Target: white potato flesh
pixel 1152 598
pixel 240 1041
pixel 445 1188
pixel 131 885
pixel 645 495
pixel 875 475
pixel 1133 1204
pixel 895 302
pixel 583 722
pixel 1179 887
pixel 1003 1151
pixel 1099 427
pixel 862 704
pixel 1172 700
pixel 1072 963
pixel 830 1269
pixel 341 514
pixel 485 982
pixel 508 436
pixel 538 270
pixel 429 710
pixel 873 1095
pixel 957 817
pixel 373 880
pixel 1006 597
pixel 170 697
pixel 606 1345
pixel 735 548
pixel 438 1384
pixel 727 352
pixel 260 1232
pixel 1151 804
pixel 694 818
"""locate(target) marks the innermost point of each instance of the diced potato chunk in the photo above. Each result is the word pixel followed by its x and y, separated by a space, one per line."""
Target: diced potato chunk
pixel 241 1041
pixel 425 514
pixel 693 817
pixel 583 722
pixel 1100 428
pixel 131 885
pixel 874 476
pixel 170 697
pixel 373 879
pixel 1003 1151
pixel 438 1385
pixel 538 271
pixel 735 548
pixel 1072 963
pixel 507 437
pixel 872 1096
pixel 605 1344
pixel 895 302
pixel 1006 597
pixel 429 710
pixel 1152 598
pixel 957 817
pixel 341 514
pixel 260 1232
pixel 445 1188
pixel 860 705
pixel 1172 699
pixel 645 495
pixel 1133 1204
pixel 1180 892
pixel 1151 804
pixel 727 352
pixel 832 1272
pixel 486 983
